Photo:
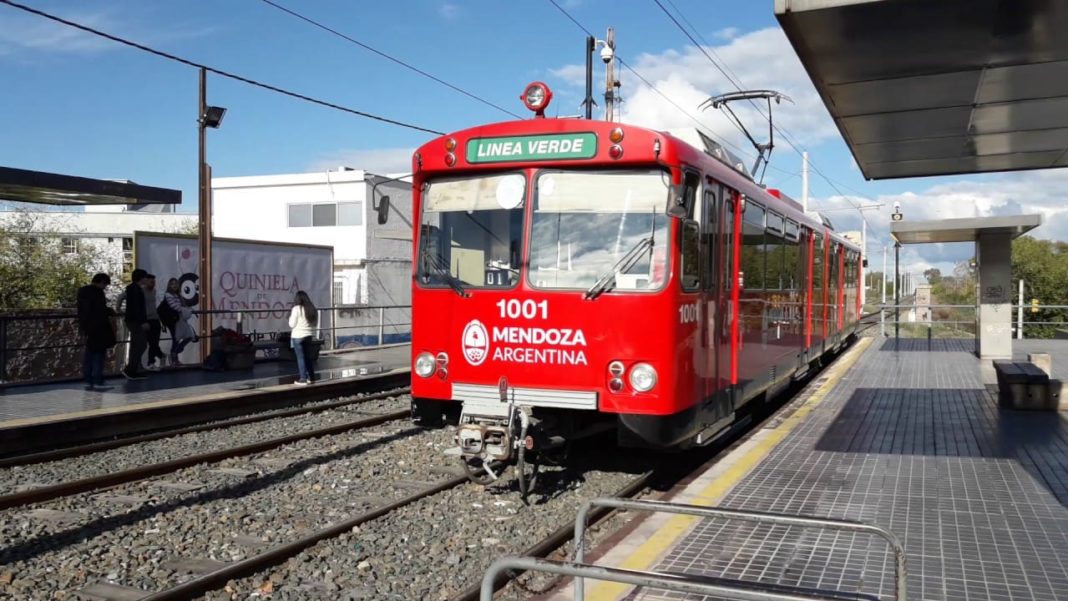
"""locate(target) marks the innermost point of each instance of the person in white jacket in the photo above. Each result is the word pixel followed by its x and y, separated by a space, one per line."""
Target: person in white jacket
pixel 303 319
pixel 181 332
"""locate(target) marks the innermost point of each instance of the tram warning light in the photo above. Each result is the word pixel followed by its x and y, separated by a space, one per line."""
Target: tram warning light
pixel 536 97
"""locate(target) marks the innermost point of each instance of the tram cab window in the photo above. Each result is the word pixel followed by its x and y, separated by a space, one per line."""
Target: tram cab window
pixel 752 247
pixel 471 230
pixel 588 225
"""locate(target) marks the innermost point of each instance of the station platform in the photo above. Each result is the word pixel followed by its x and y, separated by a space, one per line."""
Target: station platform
pixel 27 411
pixel 893 435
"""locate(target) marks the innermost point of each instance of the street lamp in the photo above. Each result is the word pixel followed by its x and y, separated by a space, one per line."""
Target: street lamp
pixel 208 116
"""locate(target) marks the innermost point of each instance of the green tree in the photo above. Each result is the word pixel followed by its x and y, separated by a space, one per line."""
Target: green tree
pixel 35 267
pixel 1043 266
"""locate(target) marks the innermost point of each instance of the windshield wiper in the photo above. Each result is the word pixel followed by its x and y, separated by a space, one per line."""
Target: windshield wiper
pixel 607 281
pixel 442 269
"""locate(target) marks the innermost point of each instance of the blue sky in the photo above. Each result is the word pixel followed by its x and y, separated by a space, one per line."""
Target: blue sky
pixel 77 104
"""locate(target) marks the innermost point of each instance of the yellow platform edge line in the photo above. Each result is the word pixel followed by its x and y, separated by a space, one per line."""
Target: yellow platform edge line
pixel 654 548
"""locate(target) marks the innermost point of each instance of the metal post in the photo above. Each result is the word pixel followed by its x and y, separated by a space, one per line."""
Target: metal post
pixel 1019 315
pixel 804 181
pixel 204 230
pixel 900 560
pixel 610 79
pixel 591 45
pixel 897 292
pixel 863 255
pixel 884 274
pixel 381 326
pixel 3 349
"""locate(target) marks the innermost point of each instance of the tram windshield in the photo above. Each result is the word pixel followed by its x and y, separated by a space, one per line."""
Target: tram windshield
pixel 596 229
pixel 471 231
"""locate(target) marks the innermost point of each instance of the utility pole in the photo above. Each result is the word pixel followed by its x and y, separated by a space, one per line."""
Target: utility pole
pixel 591 45
pixel 204 211
pixel 804 181
pixel 611 86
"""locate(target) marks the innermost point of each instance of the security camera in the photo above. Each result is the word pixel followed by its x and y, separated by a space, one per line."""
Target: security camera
pixel 606 54
pixel 897 207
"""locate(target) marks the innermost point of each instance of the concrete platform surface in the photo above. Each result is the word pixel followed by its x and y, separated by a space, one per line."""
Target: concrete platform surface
pixel 19 403
pixel 907 439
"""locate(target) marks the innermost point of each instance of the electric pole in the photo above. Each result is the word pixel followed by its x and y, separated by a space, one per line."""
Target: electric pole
pixel 611 86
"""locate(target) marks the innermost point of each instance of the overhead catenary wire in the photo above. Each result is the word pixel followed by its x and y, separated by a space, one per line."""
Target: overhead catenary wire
pixel 733 78
pixel 389 57
pixel 217 71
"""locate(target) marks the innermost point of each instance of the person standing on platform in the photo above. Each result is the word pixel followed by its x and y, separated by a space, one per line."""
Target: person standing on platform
pixel 155 328
pixel 302 320
pixel 175 315
pixel 136 320
pixel 94 321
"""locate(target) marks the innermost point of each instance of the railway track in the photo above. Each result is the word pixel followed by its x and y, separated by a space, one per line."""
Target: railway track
pixel 551 514
pixel 344 468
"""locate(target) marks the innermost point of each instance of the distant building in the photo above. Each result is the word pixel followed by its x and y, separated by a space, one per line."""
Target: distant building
pixel 372 262
pixel 108 228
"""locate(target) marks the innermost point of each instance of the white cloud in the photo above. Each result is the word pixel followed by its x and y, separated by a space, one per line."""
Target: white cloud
pixel 25 34
pixel 449 10
pixel 727 33
pixel 1018 193
pixel 380 160
pixel 761 59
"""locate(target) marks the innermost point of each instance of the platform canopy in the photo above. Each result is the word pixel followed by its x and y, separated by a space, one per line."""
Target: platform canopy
pixel 962 230
pixel 20 185
pixel 937 87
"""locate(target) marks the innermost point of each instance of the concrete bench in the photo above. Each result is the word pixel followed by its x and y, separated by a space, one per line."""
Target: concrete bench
pixel 1023 385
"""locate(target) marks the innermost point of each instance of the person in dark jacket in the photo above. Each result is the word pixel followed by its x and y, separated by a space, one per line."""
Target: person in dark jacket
pixel 95 326
pixel 136 319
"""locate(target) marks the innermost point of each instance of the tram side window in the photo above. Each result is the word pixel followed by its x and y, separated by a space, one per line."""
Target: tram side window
pixel 817 267
pixel 690 252
pixel 753 247
pixel 773 250
pixel 791 269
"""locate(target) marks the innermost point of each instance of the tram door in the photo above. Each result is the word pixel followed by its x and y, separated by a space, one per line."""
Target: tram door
pixel 710 274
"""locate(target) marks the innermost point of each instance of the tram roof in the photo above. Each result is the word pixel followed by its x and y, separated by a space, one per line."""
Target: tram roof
pixel 962 230
pixel 57 189
pixel 935 88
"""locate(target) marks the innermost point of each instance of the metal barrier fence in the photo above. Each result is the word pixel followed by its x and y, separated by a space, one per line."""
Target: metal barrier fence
pixel 45 346
pixel 961 321
pixel 690 583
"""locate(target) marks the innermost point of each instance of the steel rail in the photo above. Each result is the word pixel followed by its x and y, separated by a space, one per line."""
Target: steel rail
pixel 276 555
pixel 66 489
pixel 41 457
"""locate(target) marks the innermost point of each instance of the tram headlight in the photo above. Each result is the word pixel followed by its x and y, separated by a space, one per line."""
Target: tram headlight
pixel 536 97
pixel 642 377
pixel 424 365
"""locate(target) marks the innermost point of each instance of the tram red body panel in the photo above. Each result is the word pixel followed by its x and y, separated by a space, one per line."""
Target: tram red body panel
pixel 713 343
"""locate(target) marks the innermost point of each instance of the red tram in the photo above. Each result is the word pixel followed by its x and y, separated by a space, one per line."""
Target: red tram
pixel 572 276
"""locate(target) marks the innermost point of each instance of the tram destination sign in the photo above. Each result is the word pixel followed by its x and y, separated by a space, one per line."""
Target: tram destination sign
pixel 532 148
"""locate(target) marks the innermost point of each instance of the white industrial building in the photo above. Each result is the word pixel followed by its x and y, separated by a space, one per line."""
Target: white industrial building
pixel 106 227
pixel 372 262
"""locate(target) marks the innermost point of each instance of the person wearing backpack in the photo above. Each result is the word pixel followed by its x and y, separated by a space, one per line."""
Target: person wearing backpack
pixel 155 326
pixel 175 316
